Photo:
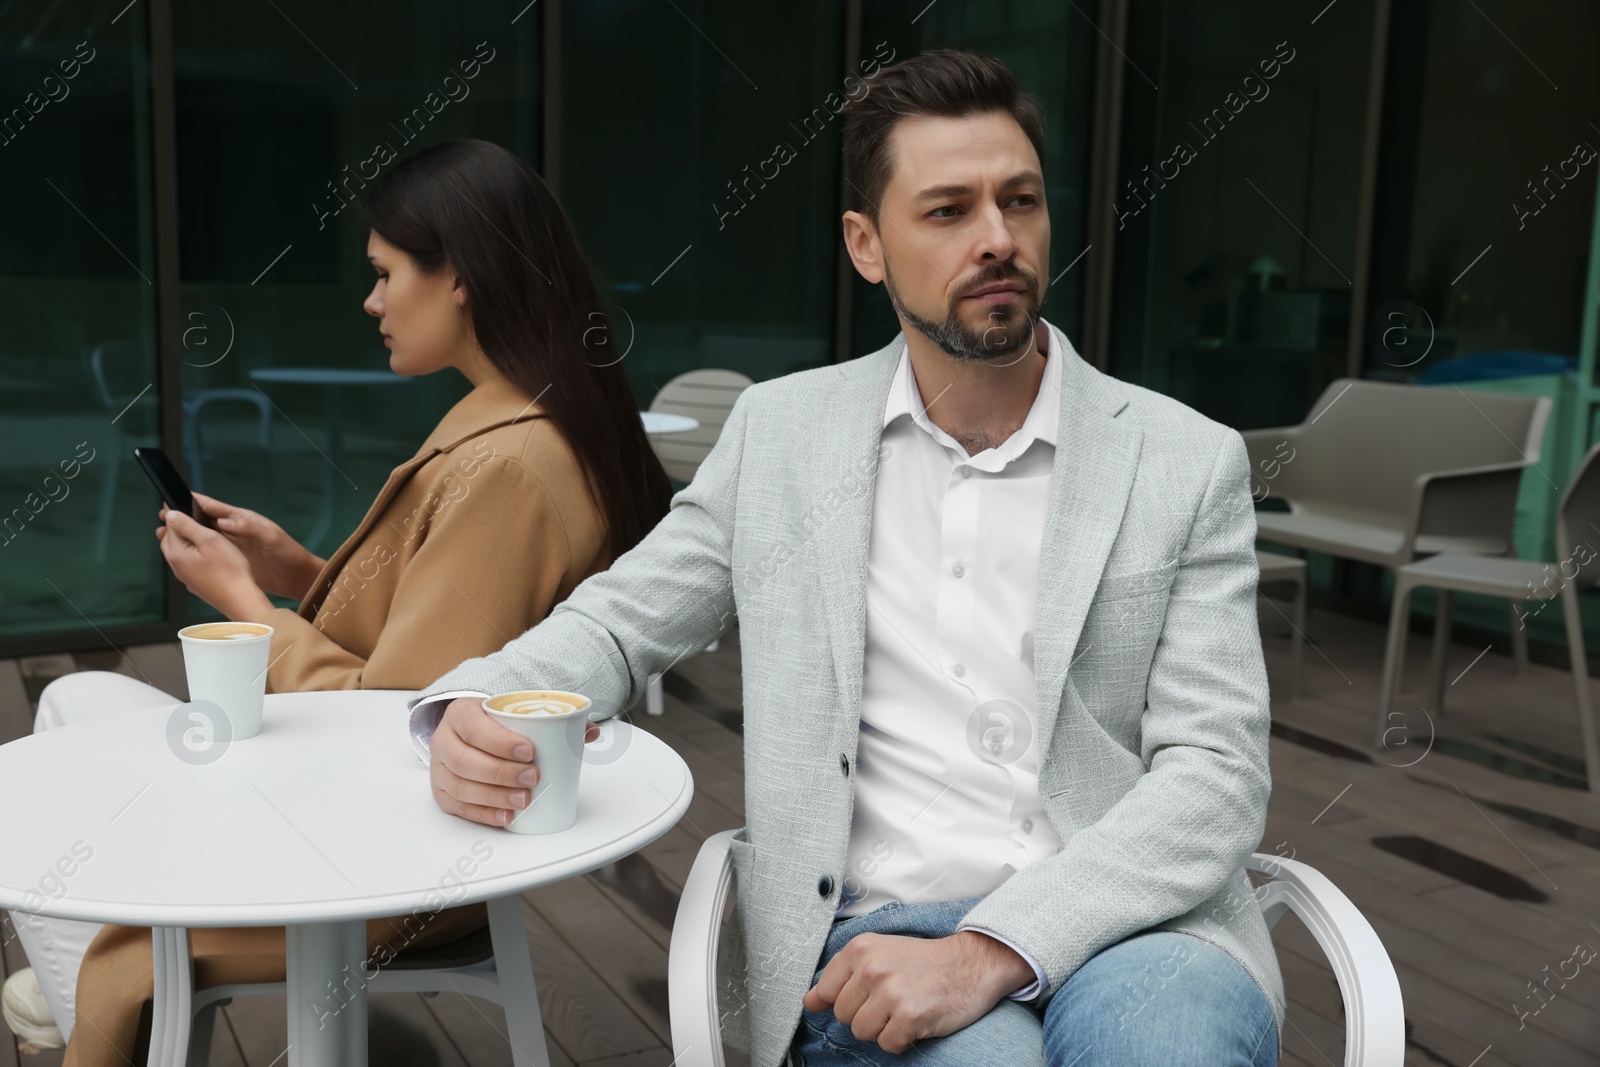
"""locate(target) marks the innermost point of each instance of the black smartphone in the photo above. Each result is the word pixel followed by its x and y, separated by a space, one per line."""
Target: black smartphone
pixel 170 484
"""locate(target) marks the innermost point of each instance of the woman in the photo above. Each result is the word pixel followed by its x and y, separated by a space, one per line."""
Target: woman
pixel 538 478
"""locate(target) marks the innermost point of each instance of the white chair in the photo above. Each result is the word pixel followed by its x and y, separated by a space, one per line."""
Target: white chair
pixel 1374 1016
pixel 1518 581
pixel 1388 473
pixel 492 963
pixel 704 395
pixel 707 396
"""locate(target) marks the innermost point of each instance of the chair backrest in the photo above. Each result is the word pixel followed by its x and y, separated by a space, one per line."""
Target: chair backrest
pixel 1578 525
pixel 118 371
pixel 1364 443
pixel 706 395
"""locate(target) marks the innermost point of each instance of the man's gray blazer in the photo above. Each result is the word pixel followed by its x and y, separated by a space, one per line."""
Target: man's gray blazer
pixel 1152 691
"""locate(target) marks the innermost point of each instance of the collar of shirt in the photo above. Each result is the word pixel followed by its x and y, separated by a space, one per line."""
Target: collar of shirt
pixel 1040 425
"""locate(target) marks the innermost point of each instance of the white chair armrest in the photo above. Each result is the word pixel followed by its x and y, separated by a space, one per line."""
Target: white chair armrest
pixel 1375 1023
pixel 692 956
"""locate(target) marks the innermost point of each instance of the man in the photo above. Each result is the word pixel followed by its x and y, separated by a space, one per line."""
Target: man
pixel 1005 706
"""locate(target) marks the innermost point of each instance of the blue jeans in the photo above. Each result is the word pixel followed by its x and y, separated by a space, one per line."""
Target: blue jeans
pixel 1154 998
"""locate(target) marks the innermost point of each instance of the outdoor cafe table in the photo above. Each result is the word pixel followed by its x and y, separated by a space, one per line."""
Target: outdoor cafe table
pixel 323 820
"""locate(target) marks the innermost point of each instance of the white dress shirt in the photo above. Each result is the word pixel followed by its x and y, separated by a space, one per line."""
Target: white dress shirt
pixel 947 801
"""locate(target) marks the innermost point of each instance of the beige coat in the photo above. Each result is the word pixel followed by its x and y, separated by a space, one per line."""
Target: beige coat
pixel 468 544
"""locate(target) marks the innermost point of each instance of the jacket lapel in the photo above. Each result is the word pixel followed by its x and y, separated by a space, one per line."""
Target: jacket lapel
pixel 1096 456
pixel 840 505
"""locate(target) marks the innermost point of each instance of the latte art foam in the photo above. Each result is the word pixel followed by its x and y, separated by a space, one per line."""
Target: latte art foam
pixel 529 702
pixel 226 631
pixel 546 706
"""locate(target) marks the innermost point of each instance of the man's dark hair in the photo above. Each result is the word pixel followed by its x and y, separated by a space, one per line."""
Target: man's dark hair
pixel 946 82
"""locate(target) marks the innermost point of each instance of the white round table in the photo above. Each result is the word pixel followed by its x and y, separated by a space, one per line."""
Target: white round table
pixel 662 423
pixel 322 821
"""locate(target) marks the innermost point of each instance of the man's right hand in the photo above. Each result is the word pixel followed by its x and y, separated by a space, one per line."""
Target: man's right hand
pixel 479 769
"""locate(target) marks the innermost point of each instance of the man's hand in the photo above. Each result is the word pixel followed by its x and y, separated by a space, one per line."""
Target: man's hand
pixel 480 770
pixel 897 990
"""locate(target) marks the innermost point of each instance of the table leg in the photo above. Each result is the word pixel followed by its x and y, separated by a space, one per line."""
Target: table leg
pixel 327 994
pixel 519 995
pixel 173 1002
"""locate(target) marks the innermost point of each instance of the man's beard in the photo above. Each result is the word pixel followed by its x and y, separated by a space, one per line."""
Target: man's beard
pixel 1009 330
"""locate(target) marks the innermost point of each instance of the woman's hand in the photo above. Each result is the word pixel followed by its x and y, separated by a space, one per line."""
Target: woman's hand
pixel 211 567
pixel 279 564
pixel 479 769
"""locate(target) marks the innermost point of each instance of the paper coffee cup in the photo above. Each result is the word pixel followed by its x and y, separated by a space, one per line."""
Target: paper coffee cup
pixel 555 722
pixel 226 663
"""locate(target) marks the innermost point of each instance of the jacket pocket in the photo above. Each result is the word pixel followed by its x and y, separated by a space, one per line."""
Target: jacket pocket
pixel 1136 583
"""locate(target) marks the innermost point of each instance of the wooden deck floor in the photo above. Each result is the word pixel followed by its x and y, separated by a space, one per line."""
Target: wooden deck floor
pixel 1485 879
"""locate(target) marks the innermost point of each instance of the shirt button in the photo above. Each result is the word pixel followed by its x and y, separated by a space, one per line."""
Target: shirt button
pixel 825 885
pixel 957 569
pixel 844 764
pixel 966 472
pixel 959 669
pixel 1027 826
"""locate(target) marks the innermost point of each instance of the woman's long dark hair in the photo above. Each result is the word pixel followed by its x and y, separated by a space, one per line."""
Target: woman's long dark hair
pixel 536 310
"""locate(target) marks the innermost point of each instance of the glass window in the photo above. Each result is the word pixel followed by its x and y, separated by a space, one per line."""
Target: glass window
pixel 1486 186
pixel 1237 201
pixel 699 164
pixel 78 376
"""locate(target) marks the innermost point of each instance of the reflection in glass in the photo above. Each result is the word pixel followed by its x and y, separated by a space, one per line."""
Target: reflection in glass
pixel 78 387
pixel 699 164
pixel 1236 204
pixel 1483 252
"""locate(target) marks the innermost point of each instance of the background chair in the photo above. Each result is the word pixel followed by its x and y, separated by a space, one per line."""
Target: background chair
pixel 1518 580
pixel 1374 1015
pixel 1388 473
pixel 1385 473
pixel 706 395
pixel 492 963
